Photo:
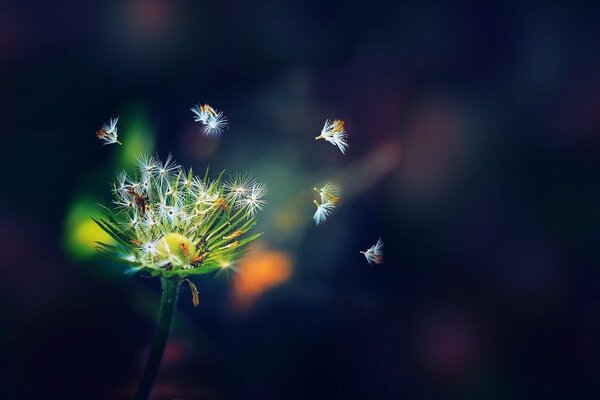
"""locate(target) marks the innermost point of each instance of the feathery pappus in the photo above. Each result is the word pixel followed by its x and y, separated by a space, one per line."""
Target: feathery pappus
pixel 374 254
pixel 213 121
pixel 108 132
pixel 329 193
pixel 335 133
pixel 323 211
pixel 329 199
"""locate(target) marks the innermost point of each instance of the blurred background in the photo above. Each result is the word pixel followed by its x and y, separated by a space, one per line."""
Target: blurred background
pixel 474 154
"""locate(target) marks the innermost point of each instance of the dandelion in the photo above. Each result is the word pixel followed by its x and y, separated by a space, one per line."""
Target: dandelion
pixel 323 211
pixel 180 210
pixel 179 227
pixel 108 132
pixel 214 121
pixel 329 193
pixel 335 133
pixel 375 253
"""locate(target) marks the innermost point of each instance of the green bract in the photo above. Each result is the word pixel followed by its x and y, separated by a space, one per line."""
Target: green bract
pixel 170 223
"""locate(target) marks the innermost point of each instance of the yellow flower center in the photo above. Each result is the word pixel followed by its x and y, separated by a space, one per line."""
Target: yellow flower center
pixel 176 248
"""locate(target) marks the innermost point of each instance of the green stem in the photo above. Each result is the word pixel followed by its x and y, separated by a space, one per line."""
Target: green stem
pixel 168 300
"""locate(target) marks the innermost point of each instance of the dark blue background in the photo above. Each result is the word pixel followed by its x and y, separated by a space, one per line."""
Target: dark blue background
pixel 488 204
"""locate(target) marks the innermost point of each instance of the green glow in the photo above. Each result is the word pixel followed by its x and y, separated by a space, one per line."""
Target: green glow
pixel 137 138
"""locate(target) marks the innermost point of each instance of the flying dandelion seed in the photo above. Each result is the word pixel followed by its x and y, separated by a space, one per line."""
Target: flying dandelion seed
pixel 323 211
pixel 335 133
pixel 108 132
pixel 375 253
pixel 329 193
pixel 216 124
pixel 214 121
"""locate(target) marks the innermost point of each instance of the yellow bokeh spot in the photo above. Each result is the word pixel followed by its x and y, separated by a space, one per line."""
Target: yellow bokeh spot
pixel 81 232
pixel 87 233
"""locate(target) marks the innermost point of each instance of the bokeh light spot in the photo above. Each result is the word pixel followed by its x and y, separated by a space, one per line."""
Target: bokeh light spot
pixel 81 232
pixel 259 270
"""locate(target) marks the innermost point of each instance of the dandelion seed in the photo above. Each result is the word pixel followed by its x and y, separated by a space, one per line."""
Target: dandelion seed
pixel 164 170
pixel 186 180
pixel 375 253
pixel 202 113
pixel 214 121
pixel 150 220
pixel 145 185
pixel 323 211
pixel 201 196
pixel 254 201
pixel 120 186
pixel 149 248
pixel 239 186
pixel 124 203
pixel 216 124
pixel 335 133
pixel 172 214
pixel 108 132
pixel 329 193
pixel 147 165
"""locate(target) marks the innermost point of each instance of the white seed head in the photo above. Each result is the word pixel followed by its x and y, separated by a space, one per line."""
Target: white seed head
pixel 171 220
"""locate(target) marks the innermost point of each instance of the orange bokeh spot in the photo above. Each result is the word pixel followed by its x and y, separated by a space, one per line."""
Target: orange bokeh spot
pixel 260 269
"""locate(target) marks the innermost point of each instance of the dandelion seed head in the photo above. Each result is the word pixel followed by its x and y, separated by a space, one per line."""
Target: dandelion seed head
pixel 170 222
pixel 213 121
